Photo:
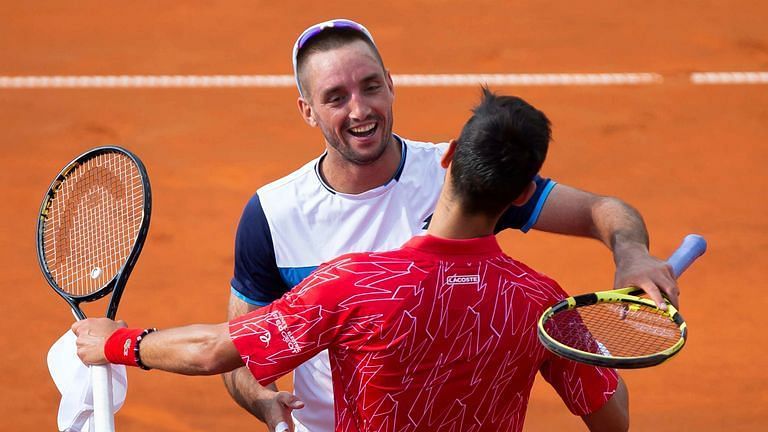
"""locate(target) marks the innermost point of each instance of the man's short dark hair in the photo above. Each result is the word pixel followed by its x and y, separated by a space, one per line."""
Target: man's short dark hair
pixel 330 38
pixel 500 150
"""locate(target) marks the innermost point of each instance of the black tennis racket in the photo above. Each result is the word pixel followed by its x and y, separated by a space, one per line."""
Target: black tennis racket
pixel 92 226
pixel 618 328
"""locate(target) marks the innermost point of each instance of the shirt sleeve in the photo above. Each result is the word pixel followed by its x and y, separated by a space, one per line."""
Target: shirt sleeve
pixel 257 279
pixel 583 388
pixel 275 339
pixel 524 217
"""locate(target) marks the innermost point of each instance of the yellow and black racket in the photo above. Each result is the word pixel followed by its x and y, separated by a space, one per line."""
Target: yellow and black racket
pixel 617 328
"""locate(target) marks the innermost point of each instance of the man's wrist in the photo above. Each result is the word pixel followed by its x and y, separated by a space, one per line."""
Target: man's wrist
pixel 628 249
pixel 123 345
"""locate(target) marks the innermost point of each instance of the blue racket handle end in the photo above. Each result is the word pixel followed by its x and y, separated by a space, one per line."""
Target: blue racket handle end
pixel 693 246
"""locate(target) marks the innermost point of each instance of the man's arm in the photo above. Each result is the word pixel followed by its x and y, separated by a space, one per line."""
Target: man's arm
pixel 256 276
pixel 199 349
pixel 620 227
pixel 265 403
pixel 614 415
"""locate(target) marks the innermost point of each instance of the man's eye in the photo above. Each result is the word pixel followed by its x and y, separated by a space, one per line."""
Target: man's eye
pixel 373 87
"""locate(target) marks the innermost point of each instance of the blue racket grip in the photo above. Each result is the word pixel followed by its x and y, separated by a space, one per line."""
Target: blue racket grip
pixel 693 246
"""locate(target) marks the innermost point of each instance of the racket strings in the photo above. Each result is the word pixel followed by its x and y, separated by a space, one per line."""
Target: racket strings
pixel 92 223
pixel 614 329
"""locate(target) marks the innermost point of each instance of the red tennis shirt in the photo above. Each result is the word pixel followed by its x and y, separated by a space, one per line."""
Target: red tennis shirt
pixel 437 335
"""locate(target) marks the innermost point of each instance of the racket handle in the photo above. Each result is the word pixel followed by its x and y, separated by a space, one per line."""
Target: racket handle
pixel 693 246
pixel 103 418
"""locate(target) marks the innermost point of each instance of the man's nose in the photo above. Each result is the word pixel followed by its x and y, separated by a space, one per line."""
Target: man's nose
pixel 359 109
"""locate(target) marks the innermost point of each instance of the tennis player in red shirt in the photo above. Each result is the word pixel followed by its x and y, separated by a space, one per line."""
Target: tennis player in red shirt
pixel 438 335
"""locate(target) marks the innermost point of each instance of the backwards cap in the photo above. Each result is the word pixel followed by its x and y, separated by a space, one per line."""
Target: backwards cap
pixel 318 28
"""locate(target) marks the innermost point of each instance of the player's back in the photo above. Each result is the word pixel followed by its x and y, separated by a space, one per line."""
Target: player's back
pixel 449 340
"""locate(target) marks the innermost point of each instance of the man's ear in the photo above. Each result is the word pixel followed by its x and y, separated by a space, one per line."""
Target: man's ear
pixel 525 195
pixel 305 109
pixel 447 158
pixel 390 83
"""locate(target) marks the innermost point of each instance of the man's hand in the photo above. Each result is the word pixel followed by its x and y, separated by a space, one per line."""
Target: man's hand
pixel 265 403
pixel 636 267
pixel 92 334
pixel 279 411
pixel 621 228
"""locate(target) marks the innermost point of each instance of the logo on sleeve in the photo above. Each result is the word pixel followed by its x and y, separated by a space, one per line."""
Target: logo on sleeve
pixel 265 338
pixel 462 279
pixel 277 319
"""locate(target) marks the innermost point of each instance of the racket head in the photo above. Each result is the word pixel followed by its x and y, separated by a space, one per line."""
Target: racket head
pixel 614 329
pixel 92 224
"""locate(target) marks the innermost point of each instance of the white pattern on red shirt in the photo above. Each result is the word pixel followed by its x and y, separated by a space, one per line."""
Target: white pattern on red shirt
pixel 438 335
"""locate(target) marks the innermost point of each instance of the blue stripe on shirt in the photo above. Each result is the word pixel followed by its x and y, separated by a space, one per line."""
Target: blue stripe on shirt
pixel 539 205
pixel 257 280
pixel 239 295
pixel 293 275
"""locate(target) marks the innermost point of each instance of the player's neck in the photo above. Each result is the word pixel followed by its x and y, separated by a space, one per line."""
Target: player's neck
pixel 347 177
pixel 451 221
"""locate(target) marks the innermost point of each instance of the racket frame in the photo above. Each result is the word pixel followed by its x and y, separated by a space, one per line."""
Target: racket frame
pixel 117 284
pixel 627 296
pixel 101 375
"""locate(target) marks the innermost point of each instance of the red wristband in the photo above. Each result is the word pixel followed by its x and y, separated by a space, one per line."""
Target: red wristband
pixel 120 347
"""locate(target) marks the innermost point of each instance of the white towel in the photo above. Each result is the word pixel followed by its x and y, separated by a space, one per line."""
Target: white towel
pixel 73 379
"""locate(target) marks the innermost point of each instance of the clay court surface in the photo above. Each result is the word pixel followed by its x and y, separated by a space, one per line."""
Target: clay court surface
pixel 691 158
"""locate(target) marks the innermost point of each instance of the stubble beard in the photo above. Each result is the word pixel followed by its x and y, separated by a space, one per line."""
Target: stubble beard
pixel 350 155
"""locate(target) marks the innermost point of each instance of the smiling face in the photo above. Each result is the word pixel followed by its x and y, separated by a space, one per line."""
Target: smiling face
pixel 349 96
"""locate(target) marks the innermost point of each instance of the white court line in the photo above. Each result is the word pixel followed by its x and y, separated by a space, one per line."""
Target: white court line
pixel 547 79
pixel 729 78
pixel 430 80
pixel 147 81
pixel 273 81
